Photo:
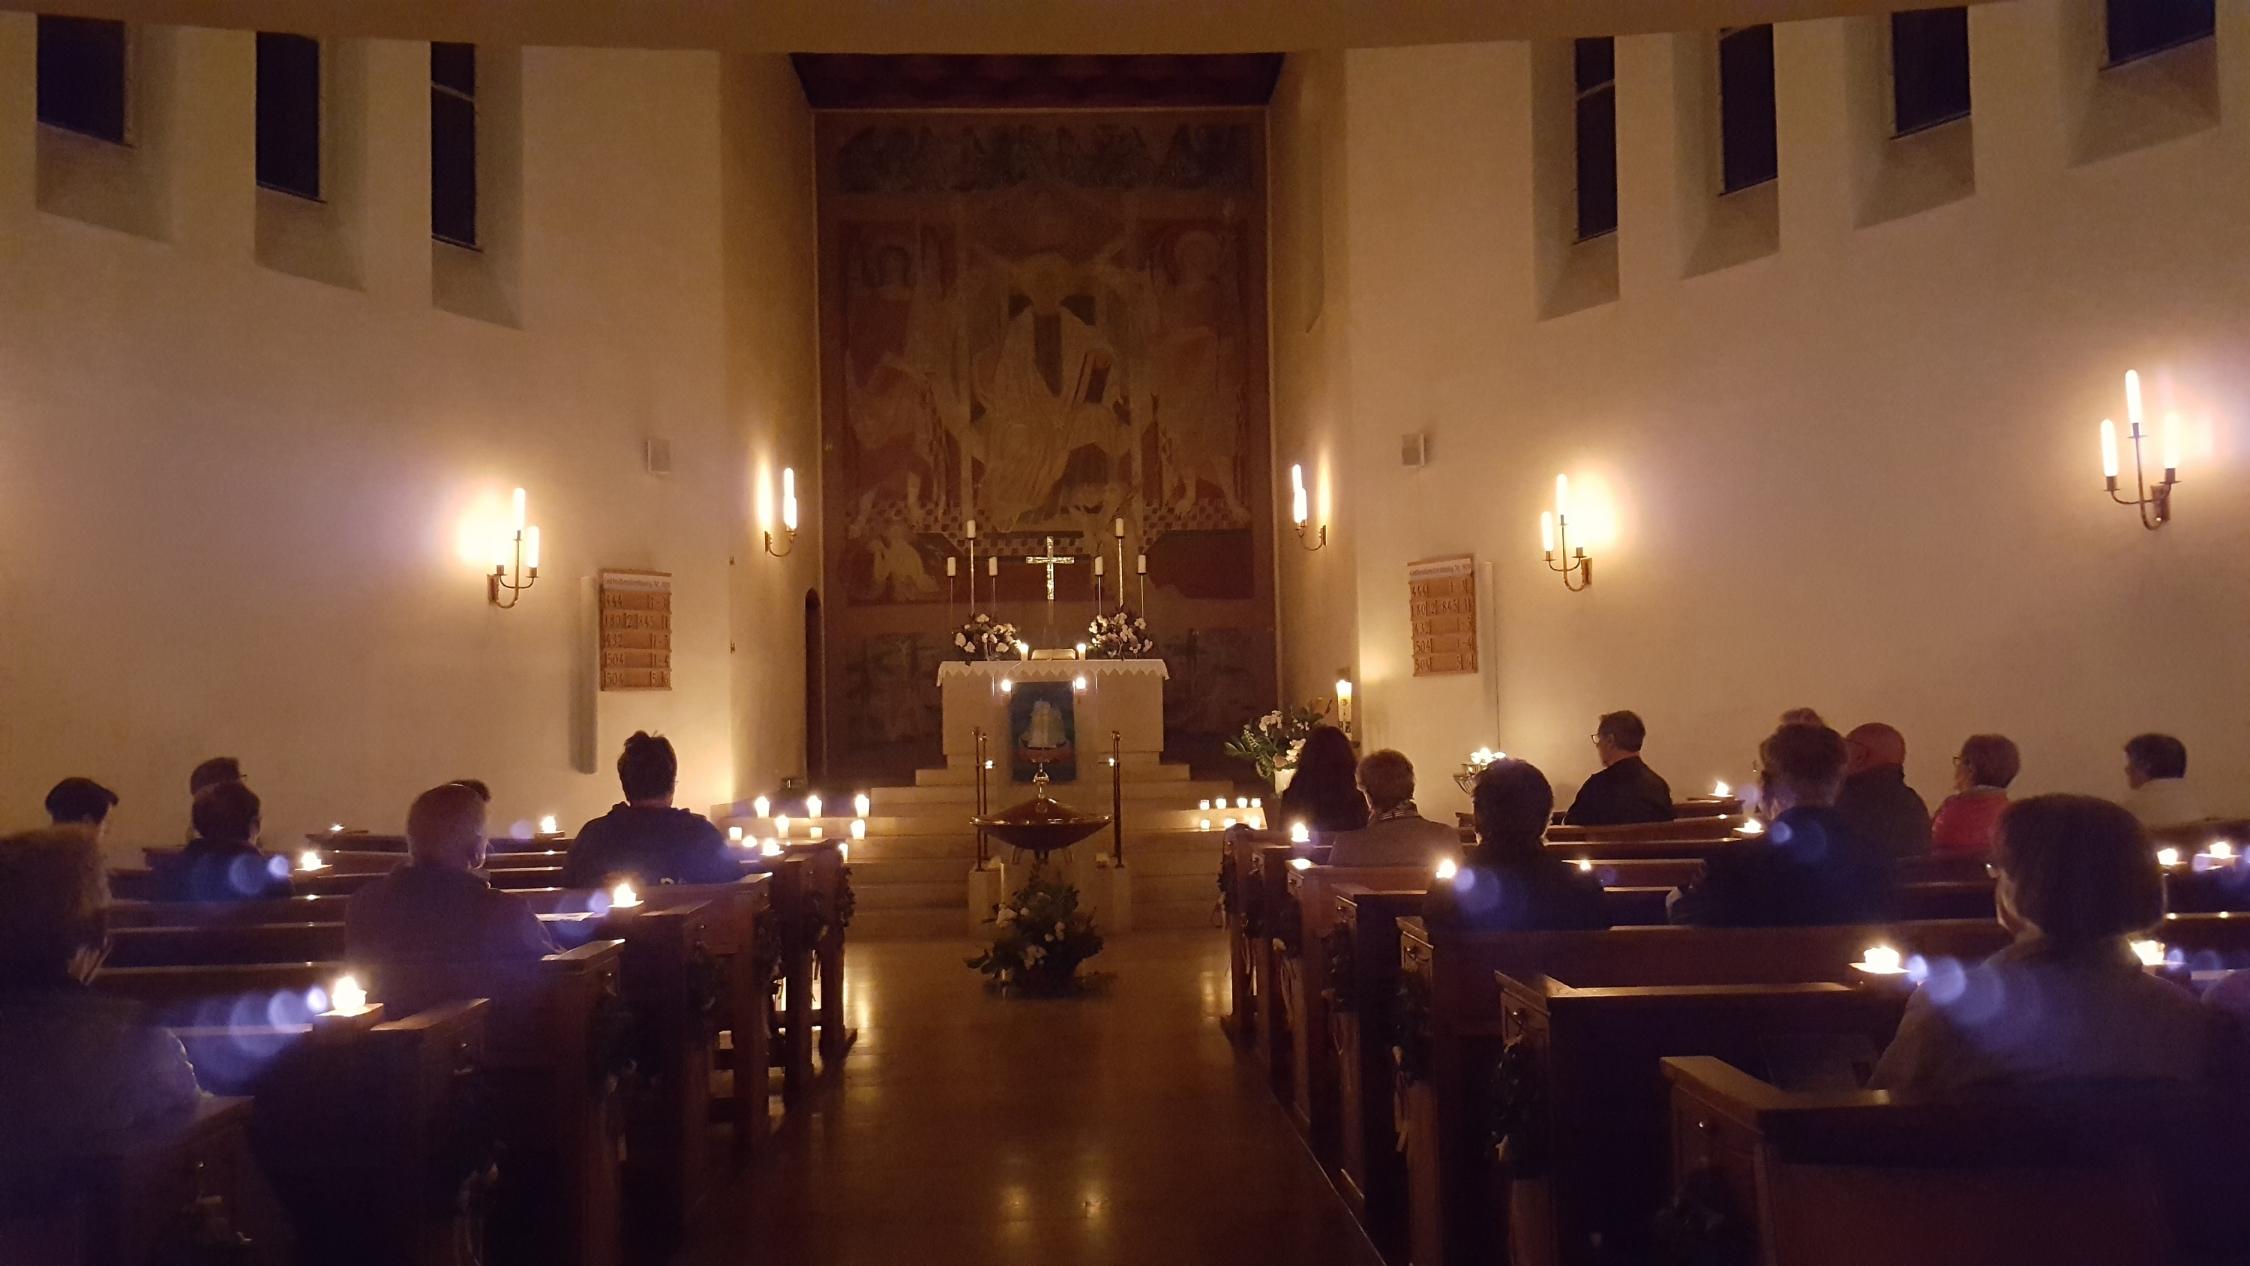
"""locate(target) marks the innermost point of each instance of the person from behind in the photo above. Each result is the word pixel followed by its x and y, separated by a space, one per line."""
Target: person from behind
pixel 643 838
pixel 1324 793
pixel 1509 881
pixel 80 1073
pixel 1801 716
pixel 2156 771
pixel 1810 866
pixel 2068 1000
pixel 209 774
pixel 1876 801
pixel 1626 790
pixel 222 861
pixel 1396 833
pixel 1966 822
pixel 82 803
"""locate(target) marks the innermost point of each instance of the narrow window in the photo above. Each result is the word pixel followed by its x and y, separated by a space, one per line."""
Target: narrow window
pixel 453 143
pixel 82 76
pixel 1749 151
pixel 2140 27
pixel 1597 137
pixel 289 114
pixel 1929 68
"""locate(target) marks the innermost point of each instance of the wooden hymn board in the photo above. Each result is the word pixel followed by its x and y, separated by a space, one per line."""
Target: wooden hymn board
pixel 636 644
pixel 1441 595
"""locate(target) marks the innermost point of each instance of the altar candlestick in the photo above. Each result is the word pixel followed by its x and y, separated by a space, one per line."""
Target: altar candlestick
pixel 952 566
pixel 1117 527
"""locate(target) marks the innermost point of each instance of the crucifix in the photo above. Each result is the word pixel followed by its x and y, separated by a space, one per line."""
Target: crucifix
pixel 1052 560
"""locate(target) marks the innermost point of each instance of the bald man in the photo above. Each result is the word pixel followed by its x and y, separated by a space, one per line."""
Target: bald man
pixel 1876 801
pixel 435 910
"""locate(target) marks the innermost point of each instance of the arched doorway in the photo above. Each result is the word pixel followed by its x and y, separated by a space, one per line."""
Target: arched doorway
pixel 816 725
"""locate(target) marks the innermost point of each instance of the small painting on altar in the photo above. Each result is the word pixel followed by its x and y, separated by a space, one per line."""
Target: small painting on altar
pixel 1043 730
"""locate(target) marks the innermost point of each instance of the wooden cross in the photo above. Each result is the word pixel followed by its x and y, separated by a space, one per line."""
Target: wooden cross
pixel 1052 560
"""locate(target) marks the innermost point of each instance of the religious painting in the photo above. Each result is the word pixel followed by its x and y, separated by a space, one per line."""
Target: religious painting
pixel 1043 731
pixel 1052 325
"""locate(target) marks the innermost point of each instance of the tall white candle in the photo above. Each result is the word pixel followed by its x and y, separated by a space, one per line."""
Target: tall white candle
pixel 1547 531
pixel 1141 564
pixel 1117 527
pixel 951 567
pixel 2109 449
pixel 2133 400
pixel 992 567
pixel 2171 446
pixel 969 529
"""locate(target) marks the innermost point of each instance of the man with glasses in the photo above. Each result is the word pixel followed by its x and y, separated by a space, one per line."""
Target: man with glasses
pixel 1626 790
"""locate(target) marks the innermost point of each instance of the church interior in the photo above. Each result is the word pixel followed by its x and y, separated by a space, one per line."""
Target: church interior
pixel 1413 633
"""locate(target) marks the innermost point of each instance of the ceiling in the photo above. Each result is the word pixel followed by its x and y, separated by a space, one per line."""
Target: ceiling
pixel 966 26
pixel 842 81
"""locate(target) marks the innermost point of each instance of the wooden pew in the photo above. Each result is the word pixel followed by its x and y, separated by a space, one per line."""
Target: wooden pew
pixel 2116 1175
pixel 1240 904
pixel 1363 959
pixel 139 883
pixel 1306 915
pixel 827 915
pixel 1270 1039
pixel 1716 827
pixel 164 1199
pixel 375 842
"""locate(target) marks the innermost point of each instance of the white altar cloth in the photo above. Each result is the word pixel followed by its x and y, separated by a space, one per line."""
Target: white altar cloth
pixel 1121 695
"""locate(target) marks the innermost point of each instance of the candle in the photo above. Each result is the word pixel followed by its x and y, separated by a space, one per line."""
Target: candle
pixel 1204 805
pixel 2223 850
pixel 1585 863
pixel 844 851
pixel 346 997
pixel 1881 960
pixel 1078 684
pixel 1007 687
pixel 1547 532
pixel 1300 863
pixel 1140 564
pixel 1203 825
pixel 335 828
pixel 2133 400
pixel 1562 498
pixel 1720 790
pixel 992 568
pixel 2151 953
pixel 1117 527
pixel 1081 650
pixel 2171 445
pixel 781 826
pixel 310 860
pixel 1023 648
pixel 860 805
pixel 1098 561
pixel 548 825
pixel 622 897
pixel 771 848
pixel 952 567
pixel 812 806
pixel 816 833
pixel 788 499
pixel 1230 824
pixel 2109 449
pixel 531 548
pixel 519 507
pixel 1300 508
pixel 969 529
pixel 734 834
pixel 1299 833
pixel 859 828
pixel 1447 868
pixel 1751 826
pixel 1256 803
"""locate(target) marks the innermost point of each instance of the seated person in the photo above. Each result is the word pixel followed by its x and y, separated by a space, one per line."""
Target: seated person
pixel 1324 792
pixel 1810 866
pixel 435 911
pixel 1626 790
pixel 1508 881
pixel 1396 833
pixel 645 839
pixel 211 773
pixel 80 1074
pixel 1876 801
pixel 1965 823
pixel 1801 716
pixel 2156 770
pixel 83 803
pixel 2068 1001
pixel 222 862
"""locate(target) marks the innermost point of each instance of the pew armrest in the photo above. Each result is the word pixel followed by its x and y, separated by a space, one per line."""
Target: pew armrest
pixel 436 1017
pixel 592 952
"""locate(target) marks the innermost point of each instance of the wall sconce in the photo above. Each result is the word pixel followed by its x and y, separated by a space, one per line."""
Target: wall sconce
pixel 1300 511
pixel 2154 505
pixel 1344 702
pixel 517 566
pixel 1554 535
pixel 788 515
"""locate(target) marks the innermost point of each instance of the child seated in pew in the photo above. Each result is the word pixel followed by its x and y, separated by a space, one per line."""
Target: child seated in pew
pixel 223 862
pixel 80 1074
pixel 2068 1001
pixel 644 838
pixel 1810 866
pixel 414 930
pixel 1509 881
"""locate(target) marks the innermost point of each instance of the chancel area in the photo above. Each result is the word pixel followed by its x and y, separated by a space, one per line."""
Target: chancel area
pixel 1412 634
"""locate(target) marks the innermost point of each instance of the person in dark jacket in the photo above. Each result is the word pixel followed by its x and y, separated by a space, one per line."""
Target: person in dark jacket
pixel 644 838
pixel 1509 881
pixel 1876 800
pixel 83 803
pixel 1626 790
pixel 1810 866
pixel 222 861
pixel 1324 792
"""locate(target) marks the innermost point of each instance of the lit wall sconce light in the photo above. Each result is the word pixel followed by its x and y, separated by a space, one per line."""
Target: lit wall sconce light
pixel 516 567
pixel 1344 703
pixel 1554 538
pixel 1300 511
pixel 788 515
pixel 2154 505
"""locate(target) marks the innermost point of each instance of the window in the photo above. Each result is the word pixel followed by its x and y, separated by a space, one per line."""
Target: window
pixel 1929 68
pixel 289 114
pixel 1597 137
pixel 82 76
pixel 1748 148
pixel 2140 27
pixel 453 143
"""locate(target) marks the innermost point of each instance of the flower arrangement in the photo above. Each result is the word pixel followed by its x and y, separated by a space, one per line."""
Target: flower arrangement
pixel 1272 741
pixel 984 638
pixel 1039 937
pixel 1120 636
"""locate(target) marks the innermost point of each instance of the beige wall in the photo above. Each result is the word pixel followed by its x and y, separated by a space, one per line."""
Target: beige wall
pixel 1856 471
pixel 234 502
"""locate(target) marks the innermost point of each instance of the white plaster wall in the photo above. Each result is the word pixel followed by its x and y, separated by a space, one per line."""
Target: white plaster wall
pixel 1858 473
pixel 234 503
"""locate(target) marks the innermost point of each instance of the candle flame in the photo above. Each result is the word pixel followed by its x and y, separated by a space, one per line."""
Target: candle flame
pixel 1203 805
pixel 1585 863
pixel 1300 863
pixel 622 897
pixel 346 997
pixel 1203 824
pixel 1447 868
pixel 2151 953
pixel 771 848
pixel 1720 790
pixel 2223 850
pixel 761 806
pixel 781 826
pixel 860 805
pixel 310 860
pixel 1751 826
pixel 734 834
pixel 2167 857
pixel 1882 960
pixel 859 828
pixel 1299 833
pixel 335 828
pixel 548 825
pixel 812 806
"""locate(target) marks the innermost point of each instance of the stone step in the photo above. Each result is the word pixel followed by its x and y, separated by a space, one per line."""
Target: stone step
pixel 1167 915
pixel 1162 889
pixel 949 895
pixel 912 925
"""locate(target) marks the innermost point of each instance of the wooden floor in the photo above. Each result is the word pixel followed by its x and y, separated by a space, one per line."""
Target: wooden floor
pixel 1119 1128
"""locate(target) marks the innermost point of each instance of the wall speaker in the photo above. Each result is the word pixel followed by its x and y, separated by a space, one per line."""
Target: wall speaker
pixel 1414 449
pixel 656 456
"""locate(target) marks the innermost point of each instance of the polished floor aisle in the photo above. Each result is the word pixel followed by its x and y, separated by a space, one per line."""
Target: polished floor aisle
pixel 1118 1128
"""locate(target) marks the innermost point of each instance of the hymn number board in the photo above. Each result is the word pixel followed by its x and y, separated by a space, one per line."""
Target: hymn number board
pixel 636 630
pixel 1442 602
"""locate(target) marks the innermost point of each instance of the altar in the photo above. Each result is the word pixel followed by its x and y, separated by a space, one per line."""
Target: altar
pixel 1057 712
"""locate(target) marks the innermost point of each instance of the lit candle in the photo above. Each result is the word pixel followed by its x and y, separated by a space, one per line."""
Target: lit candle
pixel 969 529
pixel 2151 953
pixel 519 505
pixel 1256 803
pixel 1007 687
pixel 734 834
pixel 1447 868
pixel 859 828
pixel 1298 509
pixel 1242 802
pixel 1881 960
pixel 771 848
pixel 1203 824
pixel 310 860
pixel 952 567
pixel 1562 498
pixel 844 851
pixel 622 897
pixel 788 499
pixel 2223 850
pixel 2133 400
pixel 1140 564
pixel 1299 833
pixel 1117 527
pixel 781 826
pixel 1751 826
pixel 2168 857
pixel 2109 449
pixel 1300 863
pixel 860 805
pixel 1344 689
pixel 1204 805
pixel 1081 650
pixel 335 828
pixel 1547 532
pixel 1230 824
pixel 761 806
pixel 812 806
pixel 816 833
pixel 988 764
pixel 346 997
pixel 1585 863
pixel 531 548
pixel 2171 443
pixel 992 568
pixel 1720 790
pixel 1098 561
pixel 1023 648
pixel 1078 684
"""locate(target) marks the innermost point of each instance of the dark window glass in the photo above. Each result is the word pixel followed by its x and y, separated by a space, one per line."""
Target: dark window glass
pixel 1929 68
pixel 289 114
pixel 1597 137
pixel 82 76
pixel 453 143
pixel 1749 152
pixel 2140 27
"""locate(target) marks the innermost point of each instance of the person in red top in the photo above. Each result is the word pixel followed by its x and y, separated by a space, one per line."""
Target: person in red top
pixel 1964 825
